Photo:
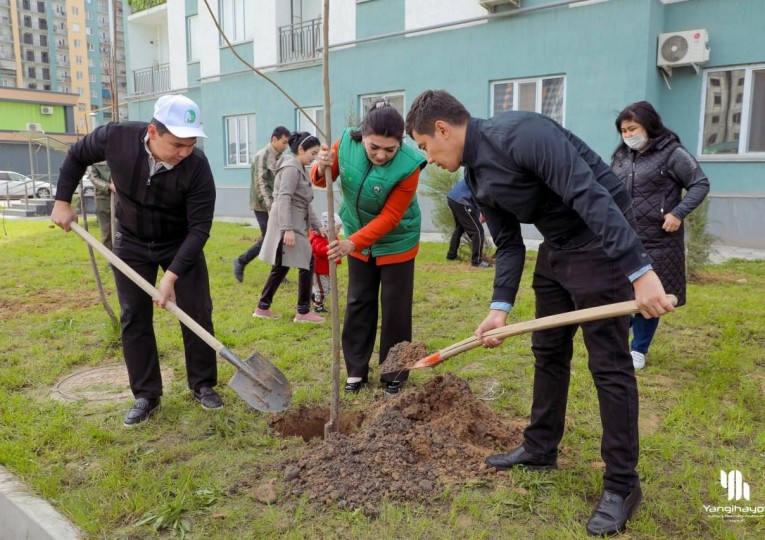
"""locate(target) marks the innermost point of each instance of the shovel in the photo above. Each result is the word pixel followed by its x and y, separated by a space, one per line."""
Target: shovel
pixel 257 381
pixel 545 323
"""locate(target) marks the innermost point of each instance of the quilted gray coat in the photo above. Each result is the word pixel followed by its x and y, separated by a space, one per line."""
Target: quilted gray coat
pixel 656 178
pixel 291 211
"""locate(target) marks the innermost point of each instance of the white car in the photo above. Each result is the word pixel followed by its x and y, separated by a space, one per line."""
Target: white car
pixel 17 186
pixel 87 186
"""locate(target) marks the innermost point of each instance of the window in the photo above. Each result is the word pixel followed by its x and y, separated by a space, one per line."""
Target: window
pixel 734 111
pixel 26 4
pixel 28 21
pixel 32 72
pixel 81 107
pixel 41 7
pixel 46 87
pixel 236 18
pixel 314 113
pixel 543 95
pixel 240 138
pixel 30 55
pixel 27 38
pixel 42 24
pixel 45 57
pixel 78 75
pixel 394 98
pixel 75 10
pixel 77 59
pixel 43 40
pixel 77 43
pixel 192 36
pixel 75 27
pixel 46 74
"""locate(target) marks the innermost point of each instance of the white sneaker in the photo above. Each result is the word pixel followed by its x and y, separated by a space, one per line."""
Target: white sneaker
pixel 638 360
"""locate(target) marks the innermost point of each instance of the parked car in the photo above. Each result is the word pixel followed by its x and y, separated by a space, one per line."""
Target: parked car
pixel 14 185
pixel 87 187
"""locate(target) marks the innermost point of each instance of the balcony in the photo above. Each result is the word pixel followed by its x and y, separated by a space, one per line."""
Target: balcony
pixel 300 42
pixel 153 80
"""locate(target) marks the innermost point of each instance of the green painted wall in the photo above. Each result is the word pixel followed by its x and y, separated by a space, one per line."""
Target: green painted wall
pixel 607 51
pixel 15 116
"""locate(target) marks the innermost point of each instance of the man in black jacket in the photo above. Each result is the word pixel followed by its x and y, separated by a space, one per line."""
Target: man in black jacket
pixel 165 202
pixel 525 168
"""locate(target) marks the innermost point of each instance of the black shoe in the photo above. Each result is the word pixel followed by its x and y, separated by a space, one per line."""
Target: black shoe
pixel 238 270
pixel 208 397
pixel 452 258
pixel 392 387
pixel 519 458
pixel 613 512
pixel 319 309
pixel 141 410
pixel 354 387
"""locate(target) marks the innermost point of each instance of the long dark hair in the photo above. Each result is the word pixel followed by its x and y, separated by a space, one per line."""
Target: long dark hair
pixel 644 114
pixel 302 139
pixel 383 120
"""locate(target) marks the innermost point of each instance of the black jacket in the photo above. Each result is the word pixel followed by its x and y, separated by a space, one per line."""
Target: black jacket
pixel 655 179
pixel 525 168
pixel 172 206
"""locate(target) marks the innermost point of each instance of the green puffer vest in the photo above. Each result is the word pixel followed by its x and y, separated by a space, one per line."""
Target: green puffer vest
pixel 366 188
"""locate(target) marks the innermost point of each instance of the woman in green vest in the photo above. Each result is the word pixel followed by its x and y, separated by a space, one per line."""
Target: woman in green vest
pixel 381 218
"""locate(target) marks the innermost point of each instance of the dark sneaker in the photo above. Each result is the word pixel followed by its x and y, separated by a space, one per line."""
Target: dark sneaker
pixel 319 309
pixel 354 387
pixel 208 398
pixel 392 387
pixel 238 270
pixel 141 410
pixel 520 458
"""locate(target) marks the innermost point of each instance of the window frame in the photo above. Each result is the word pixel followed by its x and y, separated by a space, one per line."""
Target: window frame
pixel 190 38
pixel 746 116
pixel 250 143
pixel 539 86
pixel 246 13
pixel 383 95
pixel 317 115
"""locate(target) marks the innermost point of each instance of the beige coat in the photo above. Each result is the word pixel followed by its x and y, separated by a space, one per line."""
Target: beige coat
pixel 291 211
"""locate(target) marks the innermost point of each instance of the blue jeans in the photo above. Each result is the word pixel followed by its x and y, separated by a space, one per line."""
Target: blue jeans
pixel 643 331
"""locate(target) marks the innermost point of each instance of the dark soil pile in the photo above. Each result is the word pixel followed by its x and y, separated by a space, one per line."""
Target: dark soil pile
pixel 409 447
pixel 403 355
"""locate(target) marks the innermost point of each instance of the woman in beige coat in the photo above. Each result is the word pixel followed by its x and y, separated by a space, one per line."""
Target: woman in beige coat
pixel 286 243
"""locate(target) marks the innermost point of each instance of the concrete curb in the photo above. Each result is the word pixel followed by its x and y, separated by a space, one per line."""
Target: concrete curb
pixel 25 516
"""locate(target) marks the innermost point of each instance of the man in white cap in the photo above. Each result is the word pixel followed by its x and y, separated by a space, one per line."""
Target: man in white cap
pixel 165 200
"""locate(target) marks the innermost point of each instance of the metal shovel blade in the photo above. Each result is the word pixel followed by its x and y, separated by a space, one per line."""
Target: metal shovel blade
pixel 261 385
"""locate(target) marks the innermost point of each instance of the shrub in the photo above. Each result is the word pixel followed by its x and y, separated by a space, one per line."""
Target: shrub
pixel 437 183
pixel 698 240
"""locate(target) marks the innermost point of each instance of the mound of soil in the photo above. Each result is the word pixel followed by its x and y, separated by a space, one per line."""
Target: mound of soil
pixel 402 356
pixel 409 447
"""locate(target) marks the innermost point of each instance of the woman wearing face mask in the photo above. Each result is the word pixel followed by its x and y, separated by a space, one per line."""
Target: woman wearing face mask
pixel 656 169
pixel 381 218
pixel 286 242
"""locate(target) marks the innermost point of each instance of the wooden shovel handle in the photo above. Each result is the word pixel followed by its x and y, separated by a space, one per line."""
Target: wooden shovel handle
pixel 152 291
pixel 544 323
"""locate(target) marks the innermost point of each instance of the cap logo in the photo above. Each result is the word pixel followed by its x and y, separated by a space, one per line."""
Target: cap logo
pixel 190 117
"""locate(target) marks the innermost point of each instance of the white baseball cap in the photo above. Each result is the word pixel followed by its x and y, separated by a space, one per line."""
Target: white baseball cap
pixel 180 115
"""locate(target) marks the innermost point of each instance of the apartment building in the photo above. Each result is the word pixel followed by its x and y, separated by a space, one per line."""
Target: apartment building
pixel 65 46
pixel 700 62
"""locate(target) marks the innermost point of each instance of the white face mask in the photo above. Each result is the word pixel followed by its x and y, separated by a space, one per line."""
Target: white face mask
pixel 635 142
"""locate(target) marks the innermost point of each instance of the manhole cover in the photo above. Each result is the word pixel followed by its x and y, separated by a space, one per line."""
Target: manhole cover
pixel 103 383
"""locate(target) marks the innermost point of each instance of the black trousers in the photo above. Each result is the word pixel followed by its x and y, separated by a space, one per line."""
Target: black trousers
pixel 576 279
pixel 139 345
pixel 393 285
pixel 467 221
pixel 276 277
pixel 248 256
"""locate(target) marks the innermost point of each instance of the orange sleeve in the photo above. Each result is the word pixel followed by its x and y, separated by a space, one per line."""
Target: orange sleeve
pixel 319 180
pixel 390 216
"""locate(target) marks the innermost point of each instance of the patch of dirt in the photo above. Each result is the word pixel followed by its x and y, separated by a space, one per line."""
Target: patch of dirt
pixel 309 423
pixel 403 356
pixel 409 448
pixel 49 301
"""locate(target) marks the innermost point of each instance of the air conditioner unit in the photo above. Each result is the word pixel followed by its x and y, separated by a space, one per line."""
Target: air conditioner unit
pixel 33 126
pixel 688 48
pixel 491 5
pixel 46 110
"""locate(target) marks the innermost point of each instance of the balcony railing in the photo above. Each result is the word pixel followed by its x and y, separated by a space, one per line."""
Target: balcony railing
pixel 300 42
pixel 153 80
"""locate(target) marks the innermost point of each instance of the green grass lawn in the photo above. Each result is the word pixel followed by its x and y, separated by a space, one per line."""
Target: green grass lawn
pixel 195 472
